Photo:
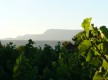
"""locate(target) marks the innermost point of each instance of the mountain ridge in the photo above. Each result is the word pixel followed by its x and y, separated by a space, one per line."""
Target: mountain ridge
pixel 49 35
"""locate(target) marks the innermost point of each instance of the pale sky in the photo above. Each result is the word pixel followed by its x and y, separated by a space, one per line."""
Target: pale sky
pixel 20 17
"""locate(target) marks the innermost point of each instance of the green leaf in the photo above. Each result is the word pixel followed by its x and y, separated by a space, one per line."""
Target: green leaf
pixel 96 53
pixel 97 76
pixel 105 64
pixel 86 24
pixel 100 46
pixel 89 56
pixel 84 45
pixel 87 31
pixel 83 54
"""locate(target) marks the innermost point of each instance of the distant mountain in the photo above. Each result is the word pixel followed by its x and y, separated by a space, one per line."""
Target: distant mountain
pixel 49 35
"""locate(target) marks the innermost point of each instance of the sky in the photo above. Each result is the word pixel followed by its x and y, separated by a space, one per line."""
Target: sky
pixel 20 17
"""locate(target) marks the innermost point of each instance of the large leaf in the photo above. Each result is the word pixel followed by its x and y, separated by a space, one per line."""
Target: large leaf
pixel 86 24
pixel 97 76
pixel 84 45
pixel 105 64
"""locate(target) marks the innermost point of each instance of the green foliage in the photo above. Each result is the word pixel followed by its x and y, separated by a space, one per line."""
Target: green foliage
pixel 93 47
pixel 8 55
pixel 104 31
pixel 86 59
pixel 22 69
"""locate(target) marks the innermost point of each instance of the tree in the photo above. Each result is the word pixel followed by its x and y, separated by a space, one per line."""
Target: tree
pixel 93 47
pixel 22 69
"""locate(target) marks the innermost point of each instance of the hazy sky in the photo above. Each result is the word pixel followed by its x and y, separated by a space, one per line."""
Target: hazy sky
pixel 19 17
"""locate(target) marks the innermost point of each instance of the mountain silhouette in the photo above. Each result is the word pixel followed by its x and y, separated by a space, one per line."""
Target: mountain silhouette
pixel 49 35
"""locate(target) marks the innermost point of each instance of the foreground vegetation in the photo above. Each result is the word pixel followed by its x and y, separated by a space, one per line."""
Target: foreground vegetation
pixel 86 59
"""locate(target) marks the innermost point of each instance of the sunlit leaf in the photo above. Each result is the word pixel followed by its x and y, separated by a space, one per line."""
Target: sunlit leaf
pixel 105 64
pixel 84 45
pixel 86 24
pixel 97 76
